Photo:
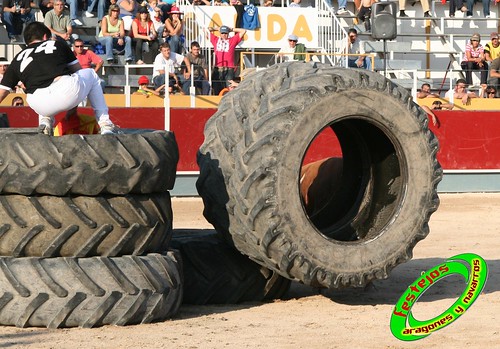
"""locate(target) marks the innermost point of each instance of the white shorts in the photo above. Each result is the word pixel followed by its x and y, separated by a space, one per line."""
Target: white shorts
pixel 67 92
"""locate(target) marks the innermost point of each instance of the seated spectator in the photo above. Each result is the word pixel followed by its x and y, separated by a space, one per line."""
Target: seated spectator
pixel 460 92
pixel 455 5
pixel 355 46
pixel 425 8
pixel 492 48
pixel 436 105
pixel 156 15
pixel 488 92
pixel 294 51
pixel 46 6
pixel 470 8
pixel 425 92
pixel 200 70
pixel 18 102
pixel 474 59
pixel 87 58
pixel 145 90
pixel 4 64
pixel 112 35
pixel 59 23
pixel 294 3
pixel 167 62
pixel 128 11
pixel 143 34
pixel 174 30
pixel 15 14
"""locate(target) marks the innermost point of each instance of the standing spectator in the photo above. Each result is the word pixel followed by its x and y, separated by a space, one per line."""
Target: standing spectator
pixel 460 92
pixel 59 23
pixel 425 92
pixel 474 59
pixel 143 34
pixel 15 13
pixel 171 63
pixel 355 46
pixel 174 30
pixel 294 51
pixel 365 12
pixel 470 8
pixel 199 70
pixel 224 48
pixel 54 80
pixel 425 8
pixel 112 35
pixel 492 48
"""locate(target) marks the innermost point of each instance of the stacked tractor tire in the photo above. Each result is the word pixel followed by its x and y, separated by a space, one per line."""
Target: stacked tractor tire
pixel 86 234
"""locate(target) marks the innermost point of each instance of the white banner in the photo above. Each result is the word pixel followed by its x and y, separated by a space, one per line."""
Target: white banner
pixel 276 23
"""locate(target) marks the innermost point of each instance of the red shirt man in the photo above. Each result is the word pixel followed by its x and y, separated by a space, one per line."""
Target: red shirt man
pixel 86 57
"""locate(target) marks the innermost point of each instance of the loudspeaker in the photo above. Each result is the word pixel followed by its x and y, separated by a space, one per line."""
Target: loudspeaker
pixel 384 20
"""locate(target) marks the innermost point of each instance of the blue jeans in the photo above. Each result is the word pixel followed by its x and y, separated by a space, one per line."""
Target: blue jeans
pixel 8 18
pixel 101 4
pixel 111 43
pixel 175 44
pixel 199 82
pixel 73 8
pixel 367 63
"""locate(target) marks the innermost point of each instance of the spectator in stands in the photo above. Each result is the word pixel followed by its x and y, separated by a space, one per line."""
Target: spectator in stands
pixel 112 35
pixel 292 52
pixel 143 34
pixel 470 8
pixel 101 7
pixel 15 13
pixel 73 9
pixel 425 92
pixel 365 12
pixel 425 8
pixel 59 23
pixel 268 3
pixel 171 62
pixel 488 92
pixel 494 79
pixel 200 2
pixel 46 6
pixel 128 11
pixel 342 6
pixel 174 30
pixel 87 58
pixel 457 4
pixel 224 49
pixel 294 3
pixel 145 90
pixel 460 92
pixel 156 15
pixel 4 64
pixel 492 48
pixel 355 46
pixel 199 70
pixel 436 105
pixel 474 59
pixel 18 102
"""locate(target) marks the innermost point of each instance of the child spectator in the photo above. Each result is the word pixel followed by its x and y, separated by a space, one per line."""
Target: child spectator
pixel 145 90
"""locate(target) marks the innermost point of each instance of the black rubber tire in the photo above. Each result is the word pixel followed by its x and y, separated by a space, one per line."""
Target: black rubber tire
pixel 139 163
pixel 251 158
pixel 84 226
pixel 216 273
pixel 89 292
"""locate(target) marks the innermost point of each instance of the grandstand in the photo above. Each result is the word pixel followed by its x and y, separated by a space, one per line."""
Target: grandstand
pixel 425 50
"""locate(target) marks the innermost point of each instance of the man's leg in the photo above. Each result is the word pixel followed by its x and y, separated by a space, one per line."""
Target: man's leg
pixel 8 20
pixel 90 86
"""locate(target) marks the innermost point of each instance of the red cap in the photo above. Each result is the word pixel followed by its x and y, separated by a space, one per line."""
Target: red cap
pixel 143 80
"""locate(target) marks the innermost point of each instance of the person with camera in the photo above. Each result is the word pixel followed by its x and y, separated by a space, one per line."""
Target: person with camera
pixel 15 14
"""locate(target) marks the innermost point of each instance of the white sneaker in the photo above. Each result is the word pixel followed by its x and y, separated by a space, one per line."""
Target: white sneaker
pixel 76 21
pixel 45 126
pixel 89 14
pixel 110 129
pixel 342 11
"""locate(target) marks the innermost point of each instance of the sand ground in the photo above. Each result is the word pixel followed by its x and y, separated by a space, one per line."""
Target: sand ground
pixel 310 318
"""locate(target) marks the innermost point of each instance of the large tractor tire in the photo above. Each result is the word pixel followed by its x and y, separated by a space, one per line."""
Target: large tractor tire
pixel 251 159
pixel 139 163
pixel 89 292
pixel 216 273
pixel 84 226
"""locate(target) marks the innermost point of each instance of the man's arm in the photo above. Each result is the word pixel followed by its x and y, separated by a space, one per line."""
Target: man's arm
pixel 96 60
pixel 3 93
pixel 240 31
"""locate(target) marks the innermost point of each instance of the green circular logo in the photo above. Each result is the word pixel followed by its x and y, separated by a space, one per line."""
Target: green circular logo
pixel 405 327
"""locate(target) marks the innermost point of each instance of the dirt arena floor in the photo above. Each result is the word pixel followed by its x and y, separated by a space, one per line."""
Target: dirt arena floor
pixel 309 318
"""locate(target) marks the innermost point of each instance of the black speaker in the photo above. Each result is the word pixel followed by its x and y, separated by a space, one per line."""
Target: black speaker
pixel 384 20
